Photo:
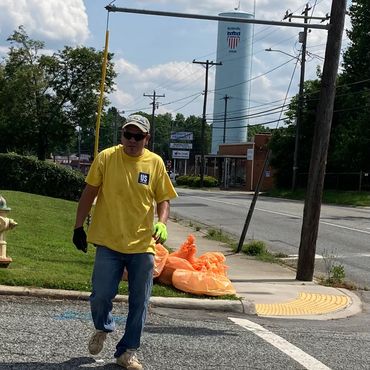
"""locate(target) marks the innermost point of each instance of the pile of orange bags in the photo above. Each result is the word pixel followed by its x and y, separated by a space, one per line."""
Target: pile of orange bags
pixel 182 269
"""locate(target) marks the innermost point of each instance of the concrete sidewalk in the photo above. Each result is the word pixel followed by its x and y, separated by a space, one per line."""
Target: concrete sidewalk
pixel 265 289
pixel 269 289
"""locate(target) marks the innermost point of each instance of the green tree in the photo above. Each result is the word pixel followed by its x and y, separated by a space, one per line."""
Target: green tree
pixel 356 59
pixel 194 124
pixel 256 129
pixel 43 99
pixel 282 143
pixel 351 136
pixel 110 128
pixel 163 123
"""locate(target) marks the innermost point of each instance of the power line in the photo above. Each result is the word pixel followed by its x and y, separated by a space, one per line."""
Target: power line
pixel 178 109
pixel 255 77
pixel 252 115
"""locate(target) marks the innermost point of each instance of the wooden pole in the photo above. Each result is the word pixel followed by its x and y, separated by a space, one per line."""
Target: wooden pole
pixel 320 145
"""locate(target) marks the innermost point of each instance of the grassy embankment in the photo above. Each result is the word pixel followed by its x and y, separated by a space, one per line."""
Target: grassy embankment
pixel 42 250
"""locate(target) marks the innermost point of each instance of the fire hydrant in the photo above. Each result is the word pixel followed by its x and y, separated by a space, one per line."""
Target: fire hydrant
pixel 5 225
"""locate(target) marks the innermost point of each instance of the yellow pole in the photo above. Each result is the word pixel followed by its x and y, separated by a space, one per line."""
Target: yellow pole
pixel 102 83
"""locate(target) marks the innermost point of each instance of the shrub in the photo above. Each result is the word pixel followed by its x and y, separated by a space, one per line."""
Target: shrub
pixel 182 180
pixel 194 181
pixel 255 248
pixel 28 174
pixel 337 273
pixel 210 182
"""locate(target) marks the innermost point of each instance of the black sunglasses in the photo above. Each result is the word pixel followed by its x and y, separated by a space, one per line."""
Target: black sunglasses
pixel 137 137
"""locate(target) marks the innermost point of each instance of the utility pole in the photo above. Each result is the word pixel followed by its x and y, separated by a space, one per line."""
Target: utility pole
pixel 207 64
pixel 300 100
pixel 312 207
pixel 267 159
pixel 226 98
pixel 152 126
pixel 303 41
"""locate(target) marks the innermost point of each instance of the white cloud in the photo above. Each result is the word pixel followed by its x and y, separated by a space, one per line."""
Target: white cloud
pixel 121 98
pixel 174 79
pixel 175 75
pixel 164 61
pixel 63 21
pixel 123 66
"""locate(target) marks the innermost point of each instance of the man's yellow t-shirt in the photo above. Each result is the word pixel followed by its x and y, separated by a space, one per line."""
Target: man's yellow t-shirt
pixel 129 188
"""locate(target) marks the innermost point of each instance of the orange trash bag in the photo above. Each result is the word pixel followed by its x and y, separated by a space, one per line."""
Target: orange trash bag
pixel 211 262
pixel 160 259
pixel 197 282
pixel 187 250
pixel 171 265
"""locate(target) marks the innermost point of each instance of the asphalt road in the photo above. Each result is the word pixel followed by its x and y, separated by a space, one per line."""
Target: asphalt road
pixel 344 232
pixel 47 334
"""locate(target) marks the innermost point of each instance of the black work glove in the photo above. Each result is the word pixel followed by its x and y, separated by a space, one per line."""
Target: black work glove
pixel 79 239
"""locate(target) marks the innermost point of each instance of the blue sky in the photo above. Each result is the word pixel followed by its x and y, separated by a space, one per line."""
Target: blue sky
pixel 156 53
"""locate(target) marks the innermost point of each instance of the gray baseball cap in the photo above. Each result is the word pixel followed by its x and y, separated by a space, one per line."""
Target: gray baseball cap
pixel 139 121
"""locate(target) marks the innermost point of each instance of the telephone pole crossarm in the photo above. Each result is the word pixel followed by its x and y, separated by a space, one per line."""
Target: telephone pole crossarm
pixel 112 8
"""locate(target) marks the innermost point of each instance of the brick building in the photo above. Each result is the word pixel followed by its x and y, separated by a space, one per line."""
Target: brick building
pixel 239 166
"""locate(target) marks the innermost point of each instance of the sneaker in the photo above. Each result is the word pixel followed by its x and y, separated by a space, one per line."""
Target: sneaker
pixel 129 361
pixel 96 342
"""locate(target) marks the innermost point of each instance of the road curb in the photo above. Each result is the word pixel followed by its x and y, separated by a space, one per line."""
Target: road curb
pixel 239 306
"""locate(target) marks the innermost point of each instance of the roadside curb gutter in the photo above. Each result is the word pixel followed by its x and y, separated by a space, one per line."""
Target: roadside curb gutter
pixel 239 306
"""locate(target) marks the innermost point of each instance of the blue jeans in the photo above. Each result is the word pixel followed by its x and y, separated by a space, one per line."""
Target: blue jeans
pixel 107 274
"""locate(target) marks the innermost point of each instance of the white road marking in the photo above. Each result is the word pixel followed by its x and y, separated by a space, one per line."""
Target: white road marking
pixel 319 256
pixel 345 227
pixel 278 213
pixel 286 214
pixel 283 345
pixel 295 256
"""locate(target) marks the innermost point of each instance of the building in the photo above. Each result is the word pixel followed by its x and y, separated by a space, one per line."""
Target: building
pixel 239 166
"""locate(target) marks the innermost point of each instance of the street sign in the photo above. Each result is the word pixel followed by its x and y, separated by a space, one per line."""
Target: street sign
pixel 181 145
pixel 180 154
pixel 182 135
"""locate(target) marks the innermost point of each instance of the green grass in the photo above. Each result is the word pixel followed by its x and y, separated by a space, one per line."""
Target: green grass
pixel 258 247
pixel 42 250
pixel 220 236
pixel 347 198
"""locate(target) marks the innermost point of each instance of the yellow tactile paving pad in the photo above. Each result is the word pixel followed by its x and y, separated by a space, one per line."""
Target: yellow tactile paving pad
pixel 305 304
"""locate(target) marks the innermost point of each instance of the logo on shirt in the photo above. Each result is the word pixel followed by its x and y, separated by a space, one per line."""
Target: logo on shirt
pixel 143 178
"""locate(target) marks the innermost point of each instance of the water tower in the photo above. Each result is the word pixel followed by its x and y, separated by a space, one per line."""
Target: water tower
pixel 232 83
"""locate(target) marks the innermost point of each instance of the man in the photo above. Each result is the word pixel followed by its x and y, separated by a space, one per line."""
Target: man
pixel 126 179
